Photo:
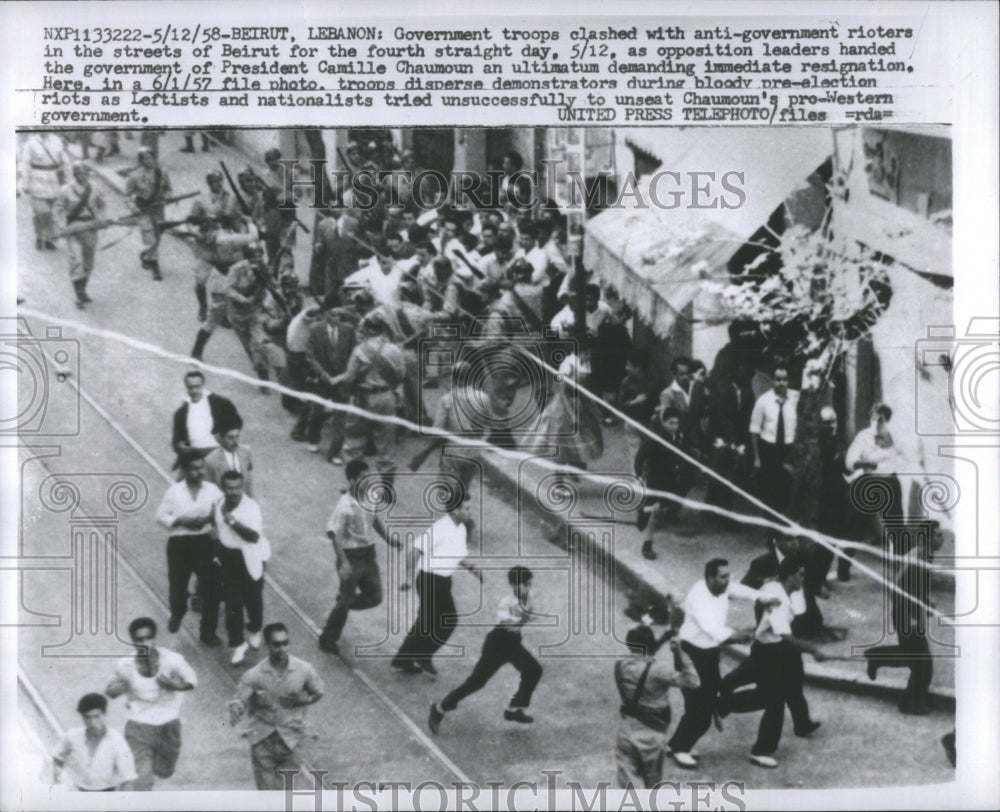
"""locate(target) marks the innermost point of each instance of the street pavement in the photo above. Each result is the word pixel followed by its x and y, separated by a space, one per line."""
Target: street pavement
pixel 372 722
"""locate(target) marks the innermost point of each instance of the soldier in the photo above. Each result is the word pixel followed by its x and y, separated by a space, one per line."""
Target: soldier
pixel 375 371
pixel 80 203
pixel 148 186
pixel 245 293
pixel 43 171
pixel 219 207
pixel 407 321
pixel 277 221
pixel 189 142
pixel 223 245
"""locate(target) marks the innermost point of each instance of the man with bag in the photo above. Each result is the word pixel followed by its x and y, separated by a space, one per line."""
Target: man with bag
pixel 643 683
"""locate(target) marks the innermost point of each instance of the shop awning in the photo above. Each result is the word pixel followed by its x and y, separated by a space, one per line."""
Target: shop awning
pixel 659 258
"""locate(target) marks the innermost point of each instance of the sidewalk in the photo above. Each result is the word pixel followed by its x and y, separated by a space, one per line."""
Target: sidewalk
pixel 860 605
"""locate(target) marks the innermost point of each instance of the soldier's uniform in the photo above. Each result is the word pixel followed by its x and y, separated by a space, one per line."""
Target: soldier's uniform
pixel 221 249
pixel 148 186
pixel 80 203
pixel 248 319
pixel 217 209
pixel 277 225
pixel 43 171
pixel 406 320
pixel 374 374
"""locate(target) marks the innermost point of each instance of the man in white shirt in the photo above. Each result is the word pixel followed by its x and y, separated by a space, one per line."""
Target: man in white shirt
pixel 437 555
pixel 186 512
pixel 97 758
pixel 502 645
pixel 241 552
pixel 382 275
pixel 596 312
pixel 702 636
pixel 153 682
pixel 772 433
pixel 776 661
pixel 231 455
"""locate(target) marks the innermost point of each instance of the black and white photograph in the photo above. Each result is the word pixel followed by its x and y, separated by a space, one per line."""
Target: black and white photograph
pixel 318 429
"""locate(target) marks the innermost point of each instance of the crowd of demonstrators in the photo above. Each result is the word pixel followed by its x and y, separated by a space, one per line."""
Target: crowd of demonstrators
pixel 383 279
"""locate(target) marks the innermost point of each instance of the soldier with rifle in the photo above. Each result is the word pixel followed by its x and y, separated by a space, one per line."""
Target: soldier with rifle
pixel 374 374
pixel 246 289
pixel 148 187
pixel 79 203
pixel 222 243
pixel 220 206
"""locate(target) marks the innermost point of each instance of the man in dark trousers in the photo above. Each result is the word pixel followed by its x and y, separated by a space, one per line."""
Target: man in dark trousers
pixel 201 417
pixel 352 529
pixel 702 636
pixel 909 618
pixel 328 349
pixel 186 512
pixel 729 431
pixel 503 645
pixel 437 555
pixel 772 433
pixel 776 663
pixel 661 468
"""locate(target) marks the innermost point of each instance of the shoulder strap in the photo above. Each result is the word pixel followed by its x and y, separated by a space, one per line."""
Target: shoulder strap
pixel 81 203
pixel 630 703
pixel 386 370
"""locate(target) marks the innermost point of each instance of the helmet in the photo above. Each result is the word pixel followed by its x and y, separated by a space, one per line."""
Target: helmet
pixel 252 250
pixel 212 176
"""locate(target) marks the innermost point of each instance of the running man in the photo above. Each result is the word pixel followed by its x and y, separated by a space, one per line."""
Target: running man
pixel 503 645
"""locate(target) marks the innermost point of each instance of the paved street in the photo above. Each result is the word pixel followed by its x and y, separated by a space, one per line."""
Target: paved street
pixel 372 723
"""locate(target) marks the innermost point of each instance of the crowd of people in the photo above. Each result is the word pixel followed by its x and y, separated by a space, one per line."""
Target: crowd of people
pixel 354 328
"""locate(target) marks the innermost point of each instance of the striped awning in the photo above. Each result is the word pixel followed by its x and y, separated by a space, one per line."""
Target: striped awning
pixel 659 259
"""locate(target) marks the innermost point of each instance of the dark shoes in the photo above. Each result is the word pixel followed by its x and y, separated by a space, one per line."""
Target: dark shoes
pixel 212 641
pixel 174 625
pixel 435 718
pixel 329 646
pixel 405 666
pixel 517 715
pixel 808 730
pixel 427 667
pixel 872 669
pixel 647 551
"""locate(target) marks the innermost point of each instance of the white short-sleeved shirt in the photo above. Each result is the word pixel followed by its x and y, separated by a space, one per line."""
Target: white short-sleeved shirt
pixel 442 546
pixel 149 702
pixel 247 513
pixel 103 767
pixel 179 502
pixel 776 621
pixel 705 614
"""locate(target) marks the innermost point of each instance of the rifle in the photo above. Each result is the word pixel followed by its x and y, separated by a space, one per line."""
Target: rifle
pixel 244 206
pixel 478 273
pixel 128 219
pixel 295 217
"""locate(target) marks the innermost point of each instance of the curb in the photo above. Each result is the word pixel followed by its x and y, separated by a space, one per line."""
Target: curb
pixel 642 580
